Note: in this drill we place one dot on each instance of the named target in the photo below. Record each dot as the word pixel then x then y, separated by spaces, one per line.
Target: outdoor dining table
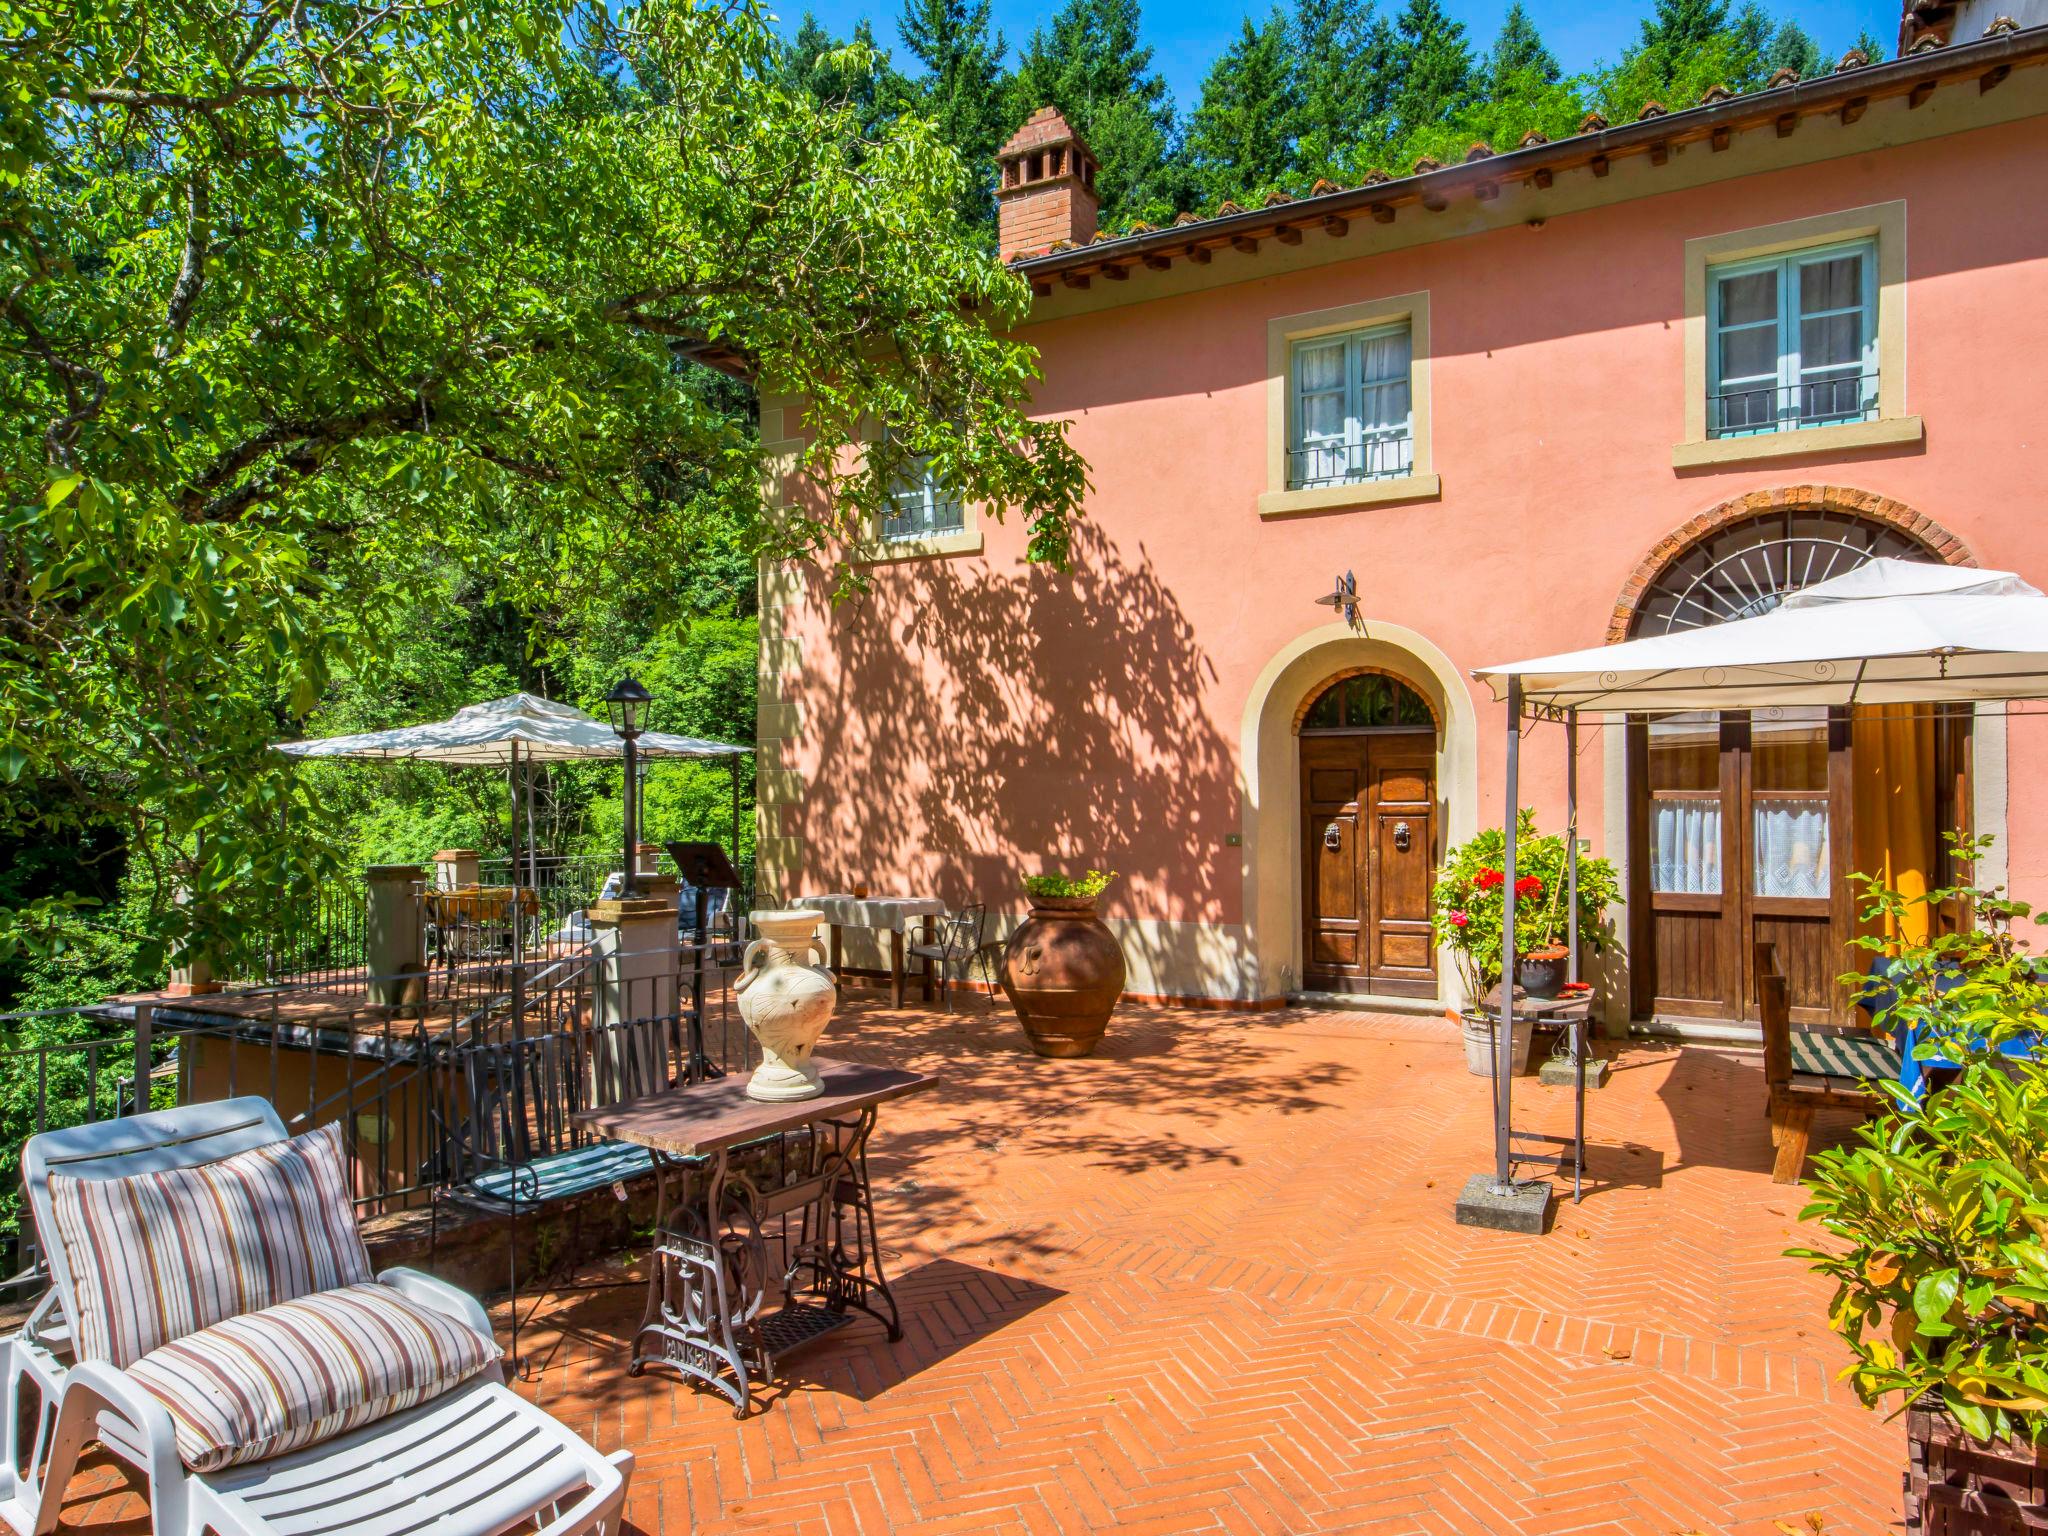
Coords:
pixel 1877 997
pixel 841 910
pixel 741 1166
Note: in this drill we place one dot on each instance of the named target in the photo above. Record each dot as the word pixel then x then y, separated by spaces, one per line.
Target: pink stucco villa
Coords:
pixel 1649 376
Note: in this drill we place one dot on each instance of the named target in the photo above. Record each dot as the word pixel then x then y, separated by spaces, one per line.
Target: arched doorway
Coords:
pixel 1368 754
pixel 1744 825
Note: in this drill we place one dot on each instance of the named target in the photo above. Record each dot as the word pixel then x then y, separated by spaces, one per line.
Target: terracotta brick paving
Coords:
pixel 1209 1281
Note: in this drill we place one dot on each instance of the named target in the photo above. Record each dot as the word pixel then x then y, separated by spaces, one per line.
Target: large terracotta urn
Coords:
pixel 1063 972
pixel 786 999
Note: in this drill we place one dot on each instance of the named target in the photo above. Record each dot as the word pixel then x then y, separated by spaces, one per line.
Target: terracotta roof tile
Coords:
pixel 1593 122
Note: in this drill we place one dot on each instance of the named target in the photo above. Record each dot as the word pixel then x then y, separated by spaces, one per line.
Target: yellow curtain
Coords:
pixel 1892 758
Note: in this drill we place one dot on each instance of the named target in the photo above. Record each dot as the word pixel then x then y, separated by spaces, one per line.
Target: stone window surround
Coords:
pixel 1421 483
pixel 1883 222
pixel 964 540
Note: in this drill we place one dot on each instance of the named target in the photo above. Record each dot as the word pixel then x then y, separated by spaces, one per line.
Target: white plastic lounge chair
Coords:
pixel 475 1461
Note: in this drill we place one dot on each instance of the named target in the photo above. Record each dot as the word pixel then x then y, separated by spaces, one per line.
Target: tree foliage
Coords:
pixel 1518 54
pixel 961 90
pixel 1238 138
pixel 1088 61
pixel 307 305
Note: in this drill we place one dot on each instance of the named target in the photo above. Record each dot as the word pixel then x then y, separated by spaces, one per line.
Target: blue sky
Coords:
pixel 1187 35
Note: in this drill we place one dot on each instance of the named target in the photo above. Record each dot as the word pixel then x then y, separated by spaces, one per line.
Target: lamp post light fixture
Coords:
pixel 626 705
pixel 1343 596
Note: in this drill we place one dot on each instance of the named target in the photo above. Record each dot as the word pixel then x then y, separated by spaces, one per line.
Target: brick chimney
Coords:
pixel 1046 192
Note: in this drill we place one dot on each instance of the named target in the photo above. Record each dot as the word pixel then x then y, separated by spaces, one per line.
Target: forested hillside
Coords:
pixel 1318 90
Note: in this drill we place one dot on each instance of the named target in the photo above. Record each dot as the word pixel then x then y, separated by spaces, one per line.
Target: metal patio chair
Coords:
pixel 961 940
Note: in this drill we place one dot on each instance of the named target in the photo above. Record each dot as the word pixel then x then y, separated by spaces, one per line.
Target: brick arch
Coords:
pixel 1938 540
pixel 1309 699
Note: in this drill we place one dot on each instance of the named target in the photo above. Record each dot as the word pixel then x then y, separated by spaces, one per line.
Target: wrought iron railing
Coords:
pixel 1788 407
pixel 1375 458
pixel 321 1054
pixel 915 518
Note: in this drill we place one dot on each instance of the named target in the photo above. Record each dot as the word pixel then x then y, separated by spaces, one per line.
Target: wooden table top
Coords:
pixel 1564 1009
pixel 709 1117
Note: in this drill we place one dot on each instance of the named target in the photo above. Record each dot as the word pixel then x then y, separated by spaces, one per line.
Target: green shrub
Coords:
pixel 1940 1207
pixel 1469 900
pixel 1084 887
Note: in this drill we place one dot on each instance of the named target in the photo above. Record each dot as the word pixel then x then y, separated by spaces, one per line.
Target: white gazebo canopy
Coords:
pixel 1891 631
pixel 521 727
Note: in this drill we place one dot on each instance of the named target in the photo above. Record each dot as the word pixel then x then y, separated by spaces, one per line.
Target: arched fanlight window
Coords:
pixel 1747 568
pixel 1368 701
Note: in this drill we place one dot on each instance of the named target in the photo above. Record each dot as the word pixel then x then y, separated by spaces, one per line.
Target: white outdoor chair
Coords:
pixel 476 1461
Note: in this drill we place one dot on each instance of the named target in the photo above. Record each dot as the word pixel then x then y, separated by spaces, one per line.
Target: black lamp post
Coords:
pixel 627 705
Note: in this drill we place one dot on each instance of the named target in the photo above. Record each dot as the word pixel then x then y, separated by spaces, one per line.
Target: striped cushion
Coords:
pixel 156 1256
pixel 1857 1056
pixel 304 1371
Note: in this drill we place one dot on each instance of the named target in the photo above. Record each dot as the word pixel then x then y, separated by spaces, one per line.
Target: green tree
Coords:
pixel 1873 50
pixel 851 72
pixel 1238 137
pixel 1433 64
pixel 1791 48
pixel 1088 62
pixel 1342 82
pixel 1517 54
pixel 963 89
pixel 1677 29
pixel 305 302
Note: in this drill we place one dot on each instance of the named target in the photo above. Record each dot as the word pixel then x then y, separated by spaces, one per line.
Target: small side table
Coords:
pixel 1574 1016
pixel 741 1164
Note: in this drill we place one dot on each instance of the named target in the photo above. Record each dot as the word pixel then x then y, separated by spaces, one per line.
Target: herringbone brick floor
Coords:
pixel 1209 1281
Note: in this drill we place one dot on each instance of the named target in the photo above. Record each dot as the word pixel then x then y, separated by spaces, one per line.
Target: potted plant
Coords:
pixel 1939 1211
pixel 1063 970
pixel 1467 906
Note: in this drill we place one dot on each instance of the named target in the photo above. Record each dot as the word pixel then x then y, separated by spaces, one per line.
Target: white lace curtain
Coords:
pixel 1685 846
pixel 1792 847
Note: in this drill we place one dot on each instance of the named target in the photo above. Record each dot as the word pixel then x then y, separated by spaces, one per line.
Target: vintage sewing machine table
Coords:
pixel 748 1177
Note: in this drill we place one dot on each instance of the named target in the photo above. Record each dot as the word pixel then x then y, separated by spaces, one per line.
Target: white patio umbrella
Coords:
pixel 1890 631
pixel 520 728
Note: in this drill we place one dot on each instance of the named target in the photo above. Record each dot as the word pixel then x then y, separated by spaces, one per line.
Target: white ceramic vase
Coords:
pixel 786 1000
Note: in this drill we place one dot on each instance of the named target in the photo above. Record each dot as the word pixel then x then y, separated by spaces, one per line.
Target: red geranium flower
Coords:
pixel 1460 919
pixel 1487 879
pixel 1529 885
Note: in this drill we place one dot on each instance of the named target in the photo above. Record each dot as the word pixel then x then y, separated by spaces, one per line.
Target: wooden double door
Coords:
pixel 1746 826
pixel 1368 853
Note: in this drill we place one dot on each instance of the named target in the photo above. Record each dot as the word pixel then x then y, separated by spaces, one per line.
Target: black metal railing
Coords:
pixel 315 935
pixel 384 1070
pixel 1375 458
pixel 1781 408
